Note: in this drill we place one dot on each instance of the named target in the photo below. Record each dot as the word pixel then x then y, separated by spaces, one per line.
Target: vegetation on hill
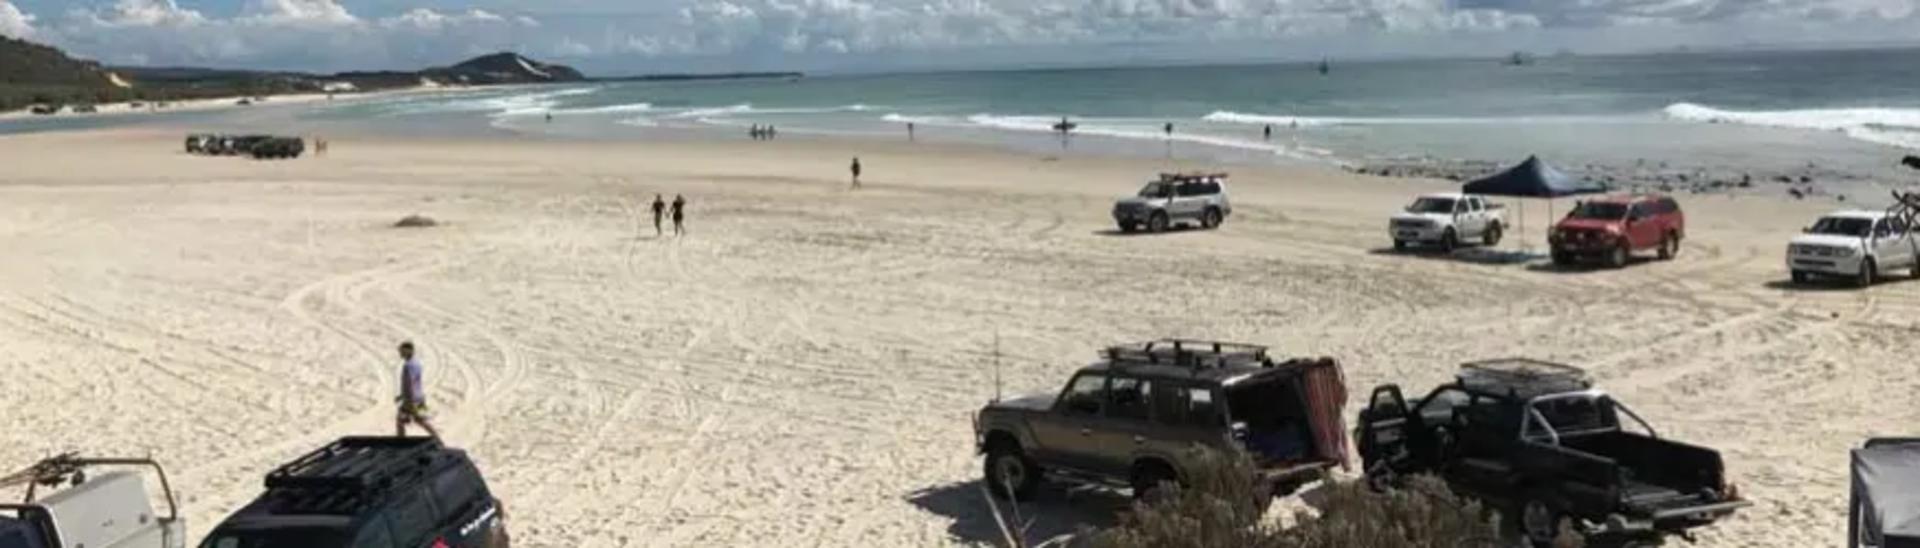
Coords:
pixel 33 74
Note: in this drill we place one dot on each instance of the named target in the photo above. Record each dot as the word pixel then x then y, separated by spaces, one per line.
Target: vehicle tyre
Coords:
pixel 1618 257
pixel 1399 245
pixel 1562 258
pixel 1539 522
pixel 1868 271
pixel 1010 473
pixel 1449 241
pixel 1800 277
pixel 1669 247
pixel 1212 218
pixel 1148 481
pixel 1914 271
pixel 1128 227
pixel 1492 236
pixel 1158 222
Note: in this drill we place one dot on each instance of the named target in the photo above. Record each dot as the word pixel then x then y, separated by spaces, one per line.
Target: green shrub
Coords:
pixel 1216 510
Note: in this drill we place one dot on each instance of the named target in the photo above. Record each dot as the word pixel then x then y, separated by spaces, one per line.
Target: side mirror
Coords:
pixel 1806 230
pixel 1238 430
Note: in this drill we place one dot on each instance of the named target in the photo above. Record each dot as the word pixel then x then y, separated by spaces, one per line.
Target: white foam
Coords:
pixel 1105 128
pixel 1230 117
pixel 1898 127
pixel 630 107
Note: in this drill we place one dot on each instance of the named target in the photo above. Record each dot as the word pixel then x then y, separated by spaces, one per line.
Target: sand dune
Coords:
pixel 800 369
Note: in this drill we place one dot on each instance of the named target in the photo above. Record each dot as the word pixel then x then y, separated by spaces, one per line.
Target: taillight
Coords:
pixel 440 542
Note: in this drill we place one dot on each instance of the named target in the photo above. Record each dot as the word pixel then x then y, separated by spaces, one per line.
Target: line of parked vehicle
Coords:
pixel 1535 439
pixel 260 147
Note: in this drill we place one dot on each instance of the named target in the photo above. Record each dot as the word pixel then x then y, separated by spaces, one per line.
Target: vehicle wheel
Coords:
pixel 1914 271
pixel 1399 245
pixel 1669 247
pixel 1211 219
pixel 1799 277
pixel 1158 222
pixel 1128 227
pixel 1492 236
pixel 1562 258
pixel 1539 523
pixel 1148 481
pixel 1618 257
pixel 1449 241
pixel 1868 271
pixel 1010 473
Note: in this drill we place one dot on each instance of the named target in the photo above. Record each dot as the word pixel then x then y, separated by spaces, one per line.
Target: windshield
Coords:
pixel 1842 226
pixel 1156 189
pixel 283 537
pixel 1431 205
pixel 1598 210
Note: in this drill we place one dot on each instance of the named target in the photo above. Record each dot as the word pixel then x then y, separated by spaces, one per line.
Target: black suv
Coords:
pixel 370 492
pixel 1538 439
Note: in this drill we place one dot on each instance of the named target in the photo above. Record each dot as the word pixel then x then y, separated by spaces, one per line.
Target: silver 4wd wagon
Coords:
pixel 1200 198
pixel 1145 414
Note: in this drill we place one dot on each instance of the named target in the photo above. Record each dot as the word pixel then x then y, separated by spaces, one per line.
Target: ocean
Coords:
pixel 1852 111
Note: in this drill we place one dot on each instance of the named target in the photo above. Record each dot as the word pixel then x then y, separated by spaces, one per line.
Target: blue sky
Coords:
pixel 628 36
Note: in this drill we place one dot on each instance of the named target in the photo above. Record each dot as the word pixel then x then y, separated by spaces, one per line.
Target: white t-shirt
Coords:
pixel 411 387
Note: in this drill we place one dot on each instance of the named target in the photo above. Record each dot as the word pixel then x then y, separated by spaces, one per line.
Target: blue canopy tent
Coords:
pixel 1532 179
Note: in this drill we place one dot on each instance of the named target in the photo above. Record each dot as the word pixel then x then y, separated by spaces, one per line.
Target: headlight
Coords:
pixel 1844 251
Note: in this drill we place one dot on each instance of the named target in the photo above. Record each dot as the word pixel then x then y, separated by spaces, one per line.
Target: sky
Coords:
pixel 612 37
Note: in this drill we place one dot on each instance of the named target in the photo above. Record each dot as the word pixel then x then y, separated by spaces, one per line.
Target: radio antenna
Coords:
pixel 996 365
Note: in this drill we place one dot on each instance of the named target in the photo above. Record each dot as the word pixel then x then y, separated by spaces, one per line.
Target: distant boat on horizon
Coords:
pixel 1519 58
pixel 1324 67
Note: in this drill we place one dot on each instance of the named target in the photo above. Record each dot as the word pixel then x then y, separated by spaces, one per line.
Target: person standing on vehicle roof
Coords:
pixel 413 395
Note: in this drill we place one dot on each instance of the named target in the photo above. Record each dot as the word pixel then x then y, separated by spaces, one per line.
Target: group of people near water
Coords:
pixel 762 133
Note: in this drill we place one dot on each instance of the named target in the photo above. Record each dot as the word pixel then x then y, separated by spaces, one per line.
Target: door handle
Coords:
pixel 1137 440
pixel 1086 431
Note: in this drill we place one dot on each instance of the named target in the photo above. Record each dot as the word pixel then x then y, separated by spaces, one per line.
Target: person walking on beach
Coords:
pixel 909 132
pixel 856 172
pixel 679 215
pixel 1169 129
pixel 1267 133
pixel 413 395
pixel 659 210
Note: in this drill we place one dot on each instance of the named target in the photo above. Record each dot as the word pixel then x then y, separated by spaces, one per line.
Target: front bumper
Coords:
pixel 1132 215
pixel 1819 264
pixel 1411 233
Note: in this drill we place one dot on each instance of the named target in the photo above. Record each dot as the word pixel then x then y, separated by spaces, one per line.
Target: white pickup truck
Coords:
pixel 1857 245
pixel 1447 219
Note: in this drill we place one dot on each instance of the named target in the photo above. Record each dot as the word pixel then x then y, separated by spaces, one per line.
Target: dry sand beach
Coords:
pixel 800 369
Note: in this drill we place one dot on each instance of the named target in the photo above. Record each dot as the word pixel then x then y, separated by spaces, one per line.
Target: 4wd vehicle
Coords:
pixel 370 492
pixel 108 510
pixel 1614 227
pixel 1858 245
pixel 278 147
pixel 1447 219
pixel 1537 440
pixel 1145 413
pixel 1197 197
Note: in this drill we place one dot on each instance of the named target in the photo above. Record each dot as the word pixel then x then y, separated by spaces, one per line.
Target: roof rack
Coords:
pixel 337 476
pixel 1191 354
pixel 1192 175
pixel 1517 375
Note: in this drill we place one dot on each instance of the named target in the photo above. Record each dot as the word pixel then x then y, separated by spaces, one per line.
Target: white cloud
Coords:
pixel 144 13
pixel 13 22
pixel 426 19
pixel 297 12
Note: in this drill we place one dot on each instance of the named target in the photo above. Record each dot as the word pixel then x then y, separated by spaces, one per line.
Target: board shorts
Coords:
pixel 414 411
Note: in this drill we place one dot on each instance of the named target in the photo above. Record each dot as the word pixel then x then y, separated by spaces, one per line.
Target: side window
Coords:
pixel 1475 205
pixel 1201 410
pixel 1213 188
pixel 1184 190
pixel 457 491
pixel 1881 229
pixel 413 518
pixel 1637 211
pixel 374 535
pixel 1897 225
pixel 1086 395
pixel 1130 399
pixel 1668 206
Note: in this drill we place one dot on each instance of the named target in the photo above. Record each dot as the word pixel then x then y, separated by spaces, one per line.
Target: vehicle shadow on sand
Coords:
pixel 1587 267
pixel 1053 513
pixel 1470 255
pixel 1172 230
pixel 1835 284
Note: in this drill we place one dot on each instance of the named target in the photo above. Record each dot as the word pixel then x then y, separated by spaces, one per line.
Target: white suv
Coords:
pixel 1861 245
pixel 1197 197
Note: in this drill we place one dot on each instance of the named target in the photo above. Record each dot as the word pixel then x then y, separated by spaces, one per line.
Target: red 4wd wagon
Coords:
pixel 1614 227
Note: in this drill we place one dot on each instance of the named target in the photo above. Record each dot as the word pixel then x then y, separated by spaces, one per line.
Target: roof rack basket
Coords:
pixel 356 464
pixel 1518 373
pixel 1192 354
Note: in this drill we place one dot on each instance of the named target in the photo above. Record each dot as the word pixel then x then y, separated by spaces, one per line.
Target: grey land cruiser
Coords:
pixel 1144 414
pixel 1200 198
